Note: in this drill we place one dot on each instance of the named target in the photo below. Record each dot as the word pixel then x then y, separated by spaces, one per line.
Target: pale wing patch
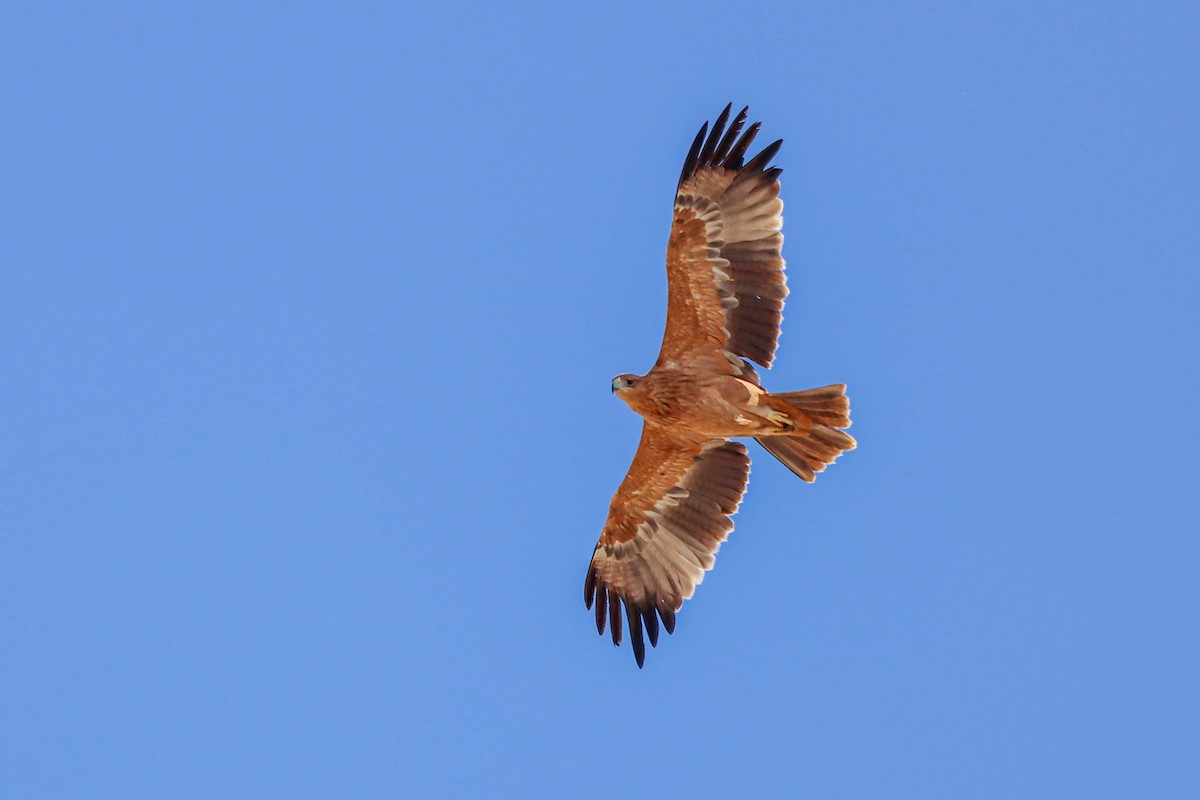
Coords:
pixel 709 213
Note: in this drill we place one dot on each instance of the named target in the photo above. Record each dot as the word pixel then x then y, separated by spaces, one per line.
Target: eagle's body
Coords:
pixel 680 398
pixel 726 288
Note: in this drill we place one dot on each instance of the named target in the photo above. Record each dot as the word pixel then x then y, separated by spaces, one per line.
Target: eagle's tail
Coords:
pixel 817 441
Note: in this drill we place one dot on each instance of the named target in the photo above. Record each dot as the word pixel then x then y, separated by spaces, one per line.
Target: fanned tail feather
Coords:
pixel 828 409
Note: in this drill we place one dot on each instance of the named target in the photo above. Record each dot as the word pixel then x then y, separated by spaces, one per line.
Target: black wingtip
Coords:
pixel 642 619
pixel 601 610
pixel 762 159
pixel 738 152
pixel 635 634
pixel 614 620
pixel 714 137
pixel 730 136
pixel 715 145
pixel 589 587
pixel 689 164
pixel 651 625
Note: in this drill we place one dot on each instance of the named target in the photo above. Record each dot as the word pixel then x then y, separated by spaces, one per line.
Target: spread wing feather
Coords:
pixel 725 268
pixel 665 525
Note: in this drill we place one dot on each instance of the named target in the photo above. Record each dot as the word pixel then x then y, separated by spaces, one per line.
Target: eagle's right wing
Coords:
pixel 665 524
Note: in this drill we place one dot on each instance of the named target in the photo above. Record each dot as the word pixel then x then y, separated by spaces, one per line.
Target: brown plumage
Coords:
pixel 726 288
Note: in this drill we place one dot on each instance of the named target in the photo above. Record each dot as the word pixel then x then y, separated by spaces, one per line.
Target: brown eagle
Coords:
pixel 725 297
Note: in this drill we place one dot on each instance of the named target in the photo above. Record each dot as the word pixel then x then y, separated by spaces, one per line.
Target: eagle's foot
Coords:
pixel 782 420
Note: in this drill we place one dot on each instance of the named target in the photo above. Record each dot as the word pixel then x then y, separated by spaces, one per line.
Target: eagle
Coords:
pixel 726 287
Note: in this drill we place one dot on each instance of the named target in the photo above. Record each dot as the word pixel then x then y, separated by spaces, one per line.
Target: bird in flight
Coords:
pixel 726 288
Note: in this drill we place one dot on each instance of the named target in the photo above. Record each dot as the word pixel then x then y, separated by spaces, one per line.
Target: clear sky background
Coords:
pixel 308 317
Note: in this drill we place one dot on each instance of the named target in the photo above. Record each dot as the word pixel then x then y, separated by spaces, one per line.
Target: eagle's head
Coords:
pixel 623 382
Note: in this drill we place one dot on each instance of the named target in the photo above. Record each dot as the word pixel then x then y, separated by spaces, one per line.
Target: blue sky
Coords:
pixel 309 316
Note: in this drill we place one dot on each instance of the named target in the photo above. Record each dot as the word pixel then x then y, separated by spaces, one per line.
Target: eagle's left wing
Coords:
pixel 665 524
pixel 725 268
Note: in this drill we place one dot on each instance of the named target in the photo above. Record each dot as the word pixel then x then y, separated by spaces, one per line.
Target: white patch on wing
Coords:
pixel 756 392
